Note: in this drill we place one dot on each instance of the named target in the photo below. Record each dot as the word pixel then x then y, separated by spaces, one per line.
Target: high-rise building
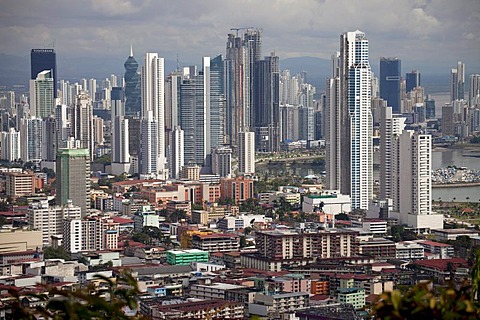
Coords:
pixel 120 133
pixel 390 76
pixel 237 88
pixel 132 86
pixel 246 153
pixel 413 182
pixel 355 82
pixel 222 161
pixel 49 219
pixel 195 114
pixel 448 121
pixel 457 82
pixel 92 89
pixel 153 112
pixel 217 102
pixel 42 95
pixel 334 117
pixel 10 142
pixel 474 92
pixel 177 160
pixel 41 60
pixel 73 178
pixel 82 122
pixel 266 104
pixel 412 80
pixel 391 126
pixel 32 134
pixel 430 107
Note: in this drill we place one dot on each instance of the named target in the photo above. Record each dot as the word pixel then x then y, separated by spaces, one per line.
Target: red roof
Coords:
pixel 442 264
pixel 122 220
pixel 12 214
pixel 436 244
pixel 320 297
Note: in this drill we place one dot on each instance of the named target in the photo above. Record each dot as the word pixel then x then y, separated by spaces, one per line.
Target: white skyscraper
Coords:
pixel 120 141
pixel 246 153
pixel 92 88
pixel 82 122
pixel 41 95
pixel 332 127
pixel 356 97
pixel 10 142
pixel 177 160
pixel 153 111
pixel 412 181
pixel 474 92
pixel 391 126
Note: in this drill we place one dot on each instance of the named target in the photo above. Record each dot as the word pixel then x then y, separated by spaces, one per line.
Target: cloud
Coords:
pixel 114 8
pixel 430 32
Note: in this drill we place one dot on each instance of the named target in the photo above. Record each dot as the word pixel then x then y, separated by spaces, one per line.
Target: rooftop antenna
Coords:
pixel 178 64
pixel 131 50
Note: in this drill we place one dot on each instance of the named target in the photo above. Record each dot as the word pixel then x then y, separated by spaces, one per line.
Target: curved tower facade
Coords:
pixel 132 86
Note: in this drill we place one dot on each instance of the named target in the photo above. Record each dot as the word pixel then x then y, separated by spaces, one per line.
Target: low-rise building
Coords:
pixel 277 304
pixel 185 257
pixel 409 250
pixel 452 234
pixel 330 201
pixel 212 291
pixel 353 296
pixel 216 242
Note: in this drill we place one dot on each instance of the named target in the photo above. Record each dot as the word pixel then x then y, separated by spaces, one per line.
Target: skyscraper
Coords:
pixel 413 182
pixel 246 153
pixel 457 82
pixel 41 60
pixel 132 86
pixel 237 88
pixel 355 81
pixel 390 73
pixel 334 117
pixel 153 160
pixel 41 95
pixel 412 80
pixel 266 104
pixel 120 133
pixel 222 161
pixel 73 178
pixel 391 126
pixel 474 92
pixel 82 122
pixel 177 160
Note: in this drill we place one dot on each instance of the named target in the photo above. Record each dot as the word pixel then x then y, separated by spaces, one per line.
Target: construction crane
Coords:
pixel 241 28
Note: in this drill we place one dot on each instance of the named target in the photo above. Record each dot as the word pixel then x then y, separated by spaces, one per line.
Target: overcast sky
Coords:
pixel 434 33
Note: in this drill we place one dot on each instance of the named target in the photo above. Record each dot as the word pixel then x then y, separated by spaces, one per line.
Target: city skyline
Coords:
pixel 199 29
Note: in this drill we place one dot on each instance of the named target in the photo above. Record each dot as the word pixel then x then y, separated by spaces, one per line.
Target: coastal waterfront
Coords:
pixel 442 158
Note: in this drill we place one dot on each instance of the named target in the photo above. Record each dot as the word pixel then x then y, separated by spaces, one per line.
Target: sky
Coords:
pixel 434 33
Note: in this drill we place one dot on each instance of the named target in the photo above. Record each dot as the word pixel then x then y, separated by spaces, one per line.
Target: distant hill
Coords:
pixel 15 70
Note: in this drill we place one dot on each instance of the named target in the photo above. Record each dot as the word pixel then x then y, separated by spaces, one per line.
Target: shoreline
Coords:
pixel 456 185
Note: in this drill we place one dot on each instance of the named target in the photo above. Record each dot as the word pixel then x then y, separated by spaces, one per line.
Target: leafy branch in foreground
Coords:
pixel 101 299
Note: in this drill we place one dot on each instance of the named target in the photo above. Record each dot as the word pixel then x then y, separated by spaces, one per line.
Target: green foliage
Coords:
pixel 141 237
pixel 50 173
pixel 399 233
pixel 2 221
pixel 105 159
pixel 422 303
pixel 106 302
pixel 342 216
pixel 475 139
pixel 56 253
pixel 251 206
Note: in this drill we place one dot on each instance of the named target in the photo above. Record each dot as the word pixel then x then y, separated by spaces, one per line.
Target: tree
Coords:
pixel 3 221
pixel 342 216
pixel 56 253
pixel 422 303
pixel 84 302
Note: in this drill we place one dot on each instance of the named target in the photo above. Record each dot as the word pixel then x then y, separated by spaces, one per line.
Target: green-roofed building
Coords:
pixel 185 257
pixel 73 178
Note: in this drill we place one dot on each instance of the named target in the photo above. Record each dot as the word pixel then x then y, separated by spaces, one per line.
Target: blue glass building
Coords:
pixel 390 77
pixel 41 60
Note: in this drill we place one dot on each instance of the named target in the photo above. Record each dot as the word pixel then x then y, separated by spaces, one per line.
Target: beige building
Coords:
pixel 19 184
pixel 20 240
